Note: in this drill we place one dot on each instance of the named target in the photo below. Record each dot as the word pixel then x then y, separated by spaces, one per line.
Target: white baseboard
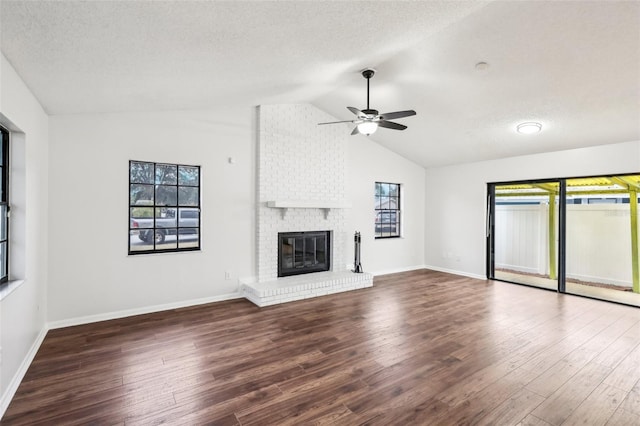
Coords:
pixel 396 270
pixel 140 311
pixel 22 370
pixel 452 271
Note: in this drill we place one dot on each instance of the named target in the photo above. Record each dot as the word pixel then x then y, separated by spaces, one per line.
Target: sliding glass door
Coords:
pixel 602 238
pixel 577 236
pixel 523 232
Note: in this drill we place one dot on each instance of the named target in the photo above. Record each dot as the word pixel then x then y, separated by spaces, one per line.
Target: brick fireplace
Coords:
pixel 301 188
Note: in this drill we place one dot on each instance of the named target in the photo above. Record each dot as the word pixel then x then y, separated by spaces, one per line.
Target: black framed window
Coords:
pixel 164 207
pixel 387 206
pixel 4 207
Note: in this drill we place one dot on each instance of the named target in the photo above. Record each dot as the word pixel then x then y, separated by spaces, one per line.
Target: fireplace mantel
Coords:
pixel 326 206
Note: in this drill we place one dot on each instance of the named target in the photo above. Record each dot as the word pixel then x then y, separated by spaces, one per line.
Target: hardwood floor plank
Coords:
pixel 627 372
pixel 551 380
pixel 621 347
pixel 111 405
pixel 219 391
pixel 310 400
pixel 562 348
pixel 475 383
pixel 420 347
pixel 481 403
pixel 513 410
pixel 598 407
pixel 569 396
pixel 632 401
pixel 341 415
pixel 624 418
pixel 431 412
pixel 199 410
pixel 532 420
pixel 59 393
pixel 331 414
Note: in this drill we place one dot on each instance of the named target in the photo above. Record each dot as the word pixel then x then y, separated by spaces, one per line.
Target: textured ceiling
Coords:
pixel 573 66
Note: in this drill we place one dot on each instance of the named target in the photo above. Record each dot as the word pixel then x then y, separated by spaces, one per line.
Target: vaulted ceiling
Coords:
pixel 574 67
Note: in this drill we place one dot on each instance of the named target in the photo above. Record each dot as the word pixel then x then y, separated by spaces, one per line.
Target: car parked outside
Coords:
pixel 387 224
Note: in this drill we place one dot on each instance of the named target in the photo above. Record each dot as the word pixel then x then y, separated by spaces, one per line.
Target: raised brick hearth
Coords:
pixel 288 289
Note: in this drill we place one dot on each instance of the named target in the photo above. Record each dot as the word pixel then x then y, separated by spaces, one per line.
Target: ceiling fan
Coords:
pixel 368 120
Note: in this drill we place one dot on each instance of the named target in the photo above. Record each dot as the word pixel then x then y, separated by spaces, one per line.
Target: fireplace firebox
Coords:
pixel 303 252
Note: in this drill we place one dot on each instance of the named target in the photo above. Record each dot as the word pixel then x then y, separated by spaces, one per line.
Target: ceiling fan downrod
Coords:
pixel 368 73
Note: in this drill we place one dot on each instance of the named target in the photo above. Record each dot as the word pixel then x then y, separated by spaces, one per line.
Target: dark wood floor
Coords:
pixel 418 348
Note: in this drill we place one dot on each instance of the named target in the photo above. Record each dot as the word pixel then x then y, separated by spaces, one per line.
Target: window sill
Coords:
pixel 7 288
pixel 167 252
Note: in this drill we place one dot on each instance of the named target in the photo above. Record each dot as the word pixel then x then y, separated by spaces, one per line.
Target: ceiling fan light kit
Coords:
pixel 368 120
pixel 367 128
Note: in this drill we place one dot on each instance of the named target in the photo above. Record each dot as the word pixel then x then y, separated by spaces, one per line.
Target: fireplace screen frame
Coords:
pixel 305 268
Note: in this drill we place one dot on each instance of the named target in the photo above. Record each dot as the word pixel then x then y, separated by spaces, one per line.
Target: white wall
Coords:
pixel 22 312
pixel 91 275
pixel 368 163
pixel 455 225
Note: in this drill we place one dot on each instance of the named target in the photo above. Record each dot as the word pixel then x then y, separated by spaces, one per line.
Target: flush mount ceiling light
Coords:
pixel 529 128
pixel 482 66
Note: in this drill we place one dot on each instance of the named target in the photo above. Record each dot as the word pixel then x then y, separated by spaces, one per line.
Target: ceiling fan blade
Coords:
pixel 357 112
pixel 391 125
pixel 336 122
pixel 397 114
pixel 355 131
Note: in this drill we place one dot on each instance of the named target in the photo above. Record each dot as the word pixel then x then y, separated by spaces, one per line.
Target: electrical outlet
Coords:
pixel 227 275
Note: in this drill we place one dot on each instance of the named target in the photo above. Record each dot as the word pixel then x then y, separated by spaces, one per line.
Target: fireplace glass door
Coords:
pixel 303 252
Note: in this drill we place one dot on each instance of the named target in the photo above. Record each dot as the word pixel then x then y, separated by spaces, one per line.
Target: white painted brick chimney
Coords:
pixel 301 161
